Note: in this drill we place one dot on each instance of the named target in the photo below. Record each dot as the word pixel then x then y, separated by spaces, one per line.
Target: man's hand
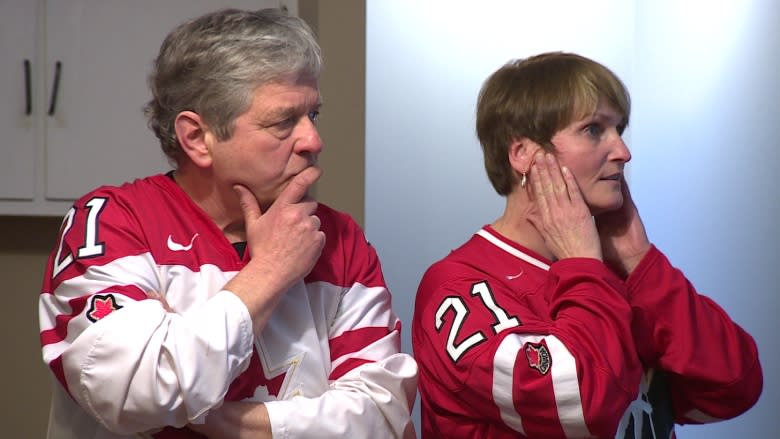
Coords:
pixel 284 244
pixel 623 236
pixel 287 236
pixel 561 215
pixel 236 420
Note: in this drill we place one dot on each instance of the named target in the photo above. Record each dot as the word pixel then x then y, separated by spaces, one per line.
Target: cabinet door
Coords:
pixel 17 100
pixel 97 133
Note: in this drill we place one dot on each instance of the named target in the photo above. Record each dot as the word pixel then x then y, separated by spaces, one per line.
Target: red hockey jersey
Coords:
pixel 512 345
pixel 327 363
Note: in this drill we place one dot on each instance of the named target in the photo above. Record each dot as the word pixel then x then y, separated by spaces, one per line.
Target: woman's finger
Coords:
pixel 538 185
pixel 573 188
pixel 557 182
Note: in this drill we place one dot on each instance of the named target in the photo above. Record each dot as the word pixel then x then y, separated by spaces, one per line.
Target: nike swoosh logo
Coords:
pixel 509 277
pixel 175 246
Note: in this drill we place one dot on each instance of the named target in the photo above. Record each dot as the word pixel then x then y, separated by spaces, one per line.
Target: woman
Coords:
pixel 561 318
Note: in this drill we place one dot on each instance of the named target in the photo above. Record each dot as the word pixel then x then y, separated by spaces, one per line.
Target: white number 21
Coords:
pixel 91 247
pixel 458 306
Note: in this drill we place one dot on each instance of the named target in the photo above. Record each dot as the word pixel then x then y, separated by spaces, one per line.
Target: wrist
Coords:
pixel 632 261
pixel 260 290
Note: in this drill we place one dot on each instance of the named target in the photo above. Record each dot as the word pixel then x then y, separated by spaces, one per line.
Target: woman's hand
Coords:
pixel 623 237
pixel 561 215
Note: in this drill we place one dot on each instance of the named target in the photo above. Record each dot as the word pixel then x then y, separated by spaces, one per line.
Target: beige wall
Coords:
pixel 24 246
pixel 341 30
pixel 26 241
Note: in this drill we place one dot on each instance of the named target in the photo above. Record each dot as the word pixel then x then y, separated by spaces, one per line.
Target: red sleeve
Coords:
pixel 96 232
pixel 554 361
pixel 709 358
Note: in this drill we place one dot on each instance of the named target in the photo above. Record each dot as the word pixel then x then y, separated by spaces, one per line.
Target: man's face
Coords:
pixel 593 149
pixel 273 141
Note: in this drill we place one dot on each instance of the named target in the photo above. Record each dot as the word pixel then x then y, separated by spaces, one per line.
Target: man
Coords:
pixel 169 299
pixel 548 324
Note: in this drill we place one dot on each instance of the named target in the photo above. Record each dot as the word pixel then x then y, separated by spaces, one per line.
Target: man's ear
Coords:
pixel 521 154
pixel 194 137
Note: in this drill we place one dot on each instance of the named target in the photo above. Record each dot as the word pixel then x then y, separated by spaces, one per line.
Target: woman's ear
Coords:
pixel 194 137
pixel 521 154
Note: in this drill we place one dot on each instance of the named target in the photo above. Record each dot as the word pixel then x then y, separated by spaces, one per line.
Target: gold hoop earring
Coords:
pixel 523 179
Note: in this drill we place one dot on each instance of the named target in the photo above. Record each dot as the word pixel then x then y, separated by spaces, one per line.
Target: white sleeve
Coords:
pixel 370 401
pixel 372 386
pixel 144 367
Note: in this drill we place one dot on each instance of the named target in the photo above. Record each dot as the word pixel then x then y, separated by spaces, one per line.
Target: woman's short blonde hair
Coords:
pixel 535 98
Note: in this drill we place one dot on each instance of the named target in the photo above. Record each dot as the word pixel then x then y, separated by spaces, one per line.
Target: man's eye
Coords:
pixel 284 124
pixel 313 115
pixel 282 128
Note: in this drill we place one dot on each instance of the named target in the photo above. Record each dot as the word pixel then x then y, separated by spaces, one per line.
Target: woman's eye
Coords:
pixel 593 129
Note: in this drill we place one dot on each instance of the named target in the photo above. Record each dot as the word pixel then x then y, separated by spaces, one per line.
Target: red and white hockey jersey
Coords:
pixel 512 345
pixel 327 364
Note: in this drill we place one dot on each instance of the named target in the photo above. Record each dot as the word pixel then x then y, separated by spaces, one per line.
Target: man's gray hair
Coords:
pixel 212 65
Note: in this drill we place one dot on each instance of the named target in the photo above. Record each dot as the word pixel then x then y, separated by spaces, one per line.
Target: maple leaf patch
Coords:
pixel 538 357
pixel 101 305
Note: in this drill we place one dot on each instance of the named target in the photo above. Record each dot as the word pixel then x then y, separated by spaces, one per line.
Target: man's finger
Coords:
pixel 298 186
pixel 249 205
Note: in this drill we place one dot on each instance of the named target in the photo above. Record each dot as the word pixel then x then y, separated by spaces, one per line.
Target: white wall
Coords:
pixel 705 82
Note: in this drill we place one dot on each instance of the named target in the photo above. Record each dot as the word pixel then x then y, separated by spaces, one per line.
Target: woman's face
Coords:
pixel 593 149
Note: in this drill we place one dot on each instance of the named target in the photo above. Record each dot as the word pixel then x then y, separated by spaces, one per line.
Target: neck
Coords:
pixel 514 223
pixel 219 203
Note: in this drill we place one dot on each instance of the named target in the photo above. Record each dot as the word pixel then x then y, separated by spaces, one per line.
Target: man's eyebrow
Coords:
pixel 281 113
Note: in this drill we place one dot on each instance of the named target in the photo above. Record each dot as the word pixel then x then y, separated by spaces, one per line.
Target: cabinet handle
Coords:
pixel 27 89
pixel 55 88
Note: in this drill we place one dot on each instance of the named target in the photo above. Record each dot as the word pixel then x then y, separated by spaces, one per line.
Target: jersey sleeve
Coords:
pixel 712 363
pixel 128 361
pixel 558 362
pixel 372 385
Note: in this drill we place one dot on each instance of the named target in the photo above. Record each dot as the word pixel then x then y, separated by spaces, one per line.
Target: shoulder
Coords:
pixel 453 275
pixel 140 189
pixel 104 225
pixel 130 206
pixel 112 204
pixel 461 263
pixel 347 257
pixel 336 222
pixel 342 232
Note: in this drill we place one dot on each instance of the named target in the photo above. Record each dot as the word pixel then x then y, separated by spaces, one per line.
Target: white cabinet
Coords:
pixel 18 134
pixel 72 88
